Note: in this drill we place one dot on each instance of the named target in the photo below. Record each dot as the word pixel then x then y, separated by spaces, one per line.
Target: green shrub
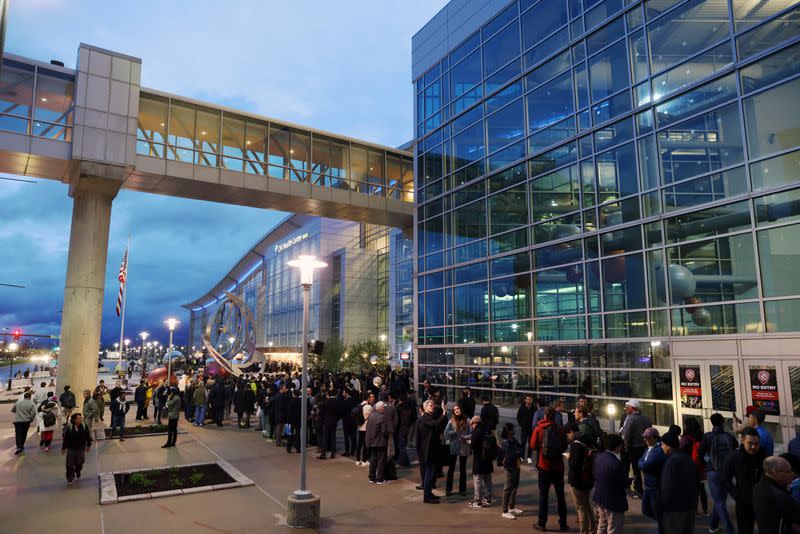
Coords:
pixel 142 479
pixel 196 477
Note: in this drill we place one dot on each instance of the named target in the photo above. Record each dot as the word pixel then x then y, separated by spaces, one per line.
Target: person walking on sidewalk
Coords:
pixel 48 417
pixel 525 421
pixel 199 404
pixel 511 459
pixel 376 441
pixel 652 464
pixel 549 443
pixel 118 410
pixel 77 442
pixel 24 411
pixel 67 400
pixel 90 409
pixel 173 411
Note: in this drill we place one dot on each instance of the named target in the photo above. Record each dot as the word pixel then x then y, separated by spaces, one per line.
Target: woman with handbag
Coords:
pixel 456 433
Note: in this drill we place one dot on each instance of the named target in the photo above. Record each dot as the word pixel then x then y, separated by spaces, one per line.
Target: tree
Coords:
pixel 359 353
pixel 331 359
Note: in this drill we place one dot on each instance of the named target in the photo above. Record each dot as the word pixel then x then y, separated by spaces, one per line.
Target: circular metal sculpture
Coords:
pixel 232 327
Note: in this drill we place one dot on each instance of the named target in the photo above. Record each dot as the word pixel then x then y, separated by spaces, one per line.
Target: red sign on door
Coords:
pixel 690 390
pixel 764 389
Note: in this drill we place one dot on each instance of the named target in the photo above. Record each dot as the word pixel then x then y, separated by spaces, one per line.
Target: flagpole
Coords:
pixel 122 315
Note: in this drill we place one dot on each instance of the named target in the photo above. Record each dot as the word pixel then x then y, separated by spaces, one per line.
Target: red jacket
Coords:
pixel 537 442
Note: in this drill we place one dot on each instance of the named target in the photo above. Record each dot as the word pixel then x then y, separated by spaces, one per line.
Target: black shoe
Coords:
pixel 166 446
pixel 420 487
pixel 77 475
pixel 431 501
pixel 448 493
pixel 322 457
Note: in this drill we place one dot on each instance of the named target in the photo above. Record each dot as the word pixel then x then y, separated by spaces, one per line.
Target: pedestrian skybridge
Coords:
pixel 58 123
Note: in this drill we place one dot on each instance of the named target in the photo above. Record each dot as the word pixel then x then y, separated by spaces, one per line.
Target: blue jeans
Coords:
pixel 716 484
pixel 199 414
pixel 262 421
pixel 118 421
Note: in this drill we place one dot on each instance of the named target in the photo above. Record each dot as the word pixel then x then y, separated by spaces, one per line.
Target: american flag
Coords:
pixel 123 274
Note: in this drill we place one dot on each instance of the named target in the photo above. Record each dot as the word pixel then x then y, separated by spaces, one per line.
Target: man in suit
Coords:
pixel 376 440
pixel 329 414
pixel 610 480
pixel 467 403
pixel 651 464
pixel 678 487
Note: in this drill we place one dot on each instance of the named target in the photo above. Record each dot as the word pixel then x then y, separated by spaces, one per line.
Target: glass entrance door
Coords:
pixel 705 387
pixel 791 373
pixel 769 389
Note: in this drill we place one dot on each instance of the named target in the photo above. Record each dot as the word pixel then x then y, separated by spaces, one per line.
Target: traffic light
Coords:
pixel 16 334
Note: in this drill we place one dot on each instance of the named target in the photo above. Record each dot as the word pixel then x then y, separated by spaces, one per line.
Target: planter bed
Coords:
pixel 170 479
pixel 135 431
pixel 152 483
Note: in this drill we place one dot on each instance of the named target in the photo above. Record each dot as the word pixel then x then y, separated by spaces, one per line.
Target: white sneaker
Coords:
pixel 508 515
pixel 530 460
pixel 516 511
pixel 358 462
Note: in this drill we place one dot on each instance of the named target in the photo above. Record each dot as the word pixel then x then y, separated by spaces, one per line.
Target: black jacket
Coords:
pixel 346 412
pixel 330 411
pixel 140 393
pixel 525 418
pixel 679 483
pixel 76 438
pixel 746 469
pixel 468 406
pixel 429 429
pixel 774 508
pixel 216 397
pixel 406 415
pixel 119 408
pixel 294 410
pixel 67 399
pixel 578 455
pixel 480 466
pixel 282 407
pixel 490 416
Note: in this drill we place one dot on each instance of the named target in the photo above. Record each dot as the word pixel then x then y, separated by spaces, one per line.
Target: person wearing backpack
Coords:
pixel 483 456
pixel 715 448
pixel 581 476
pixel 549 443
pixel 510 458
pixel 48 416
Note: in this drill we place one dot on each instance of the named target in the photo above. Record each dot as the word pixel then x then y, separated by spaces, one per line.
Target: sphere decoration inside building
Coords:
pixel 230 336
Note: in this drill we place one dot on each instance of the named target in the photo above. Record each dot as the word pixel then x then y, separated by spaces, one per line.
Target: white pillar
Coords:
pixel 85 283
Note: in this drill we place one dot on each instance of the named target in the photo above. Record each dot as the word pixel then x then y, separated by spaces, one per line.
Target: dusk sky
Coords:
pixel 337 66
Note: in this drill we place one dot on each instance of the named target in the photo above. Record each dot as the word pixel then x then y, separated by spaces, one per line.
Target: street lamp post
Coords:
pixel 303 511
pixel 12 348
pixel 171 324
pixel 144 336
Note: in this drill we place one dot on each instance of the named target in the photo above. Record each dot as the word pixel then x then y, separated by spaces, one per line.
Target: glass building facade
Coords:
pixel 598 180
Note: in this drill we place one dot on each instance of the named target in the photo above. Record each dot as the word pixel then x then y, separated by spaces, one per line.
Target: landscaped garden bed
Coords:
pixel 171 478
pixel 169 481
pixel 135 431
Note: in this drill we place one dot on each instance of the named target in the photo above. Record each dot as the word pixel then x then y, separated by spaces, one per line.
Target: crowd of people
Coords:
pixel 383 418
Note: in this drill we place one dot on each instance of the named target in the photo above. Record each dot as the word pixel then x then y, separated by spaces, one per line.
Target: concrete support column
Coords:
pixel 85 283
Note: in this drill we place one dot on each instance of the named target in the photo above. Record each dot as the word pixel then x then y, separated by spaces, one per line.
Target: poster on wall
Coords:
pixel 764 389
pixel 691 392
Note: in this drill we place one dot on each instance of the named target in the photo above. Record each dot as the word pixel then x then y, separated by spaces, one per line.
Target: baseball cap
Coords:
pixel 651 433
pixel 633 403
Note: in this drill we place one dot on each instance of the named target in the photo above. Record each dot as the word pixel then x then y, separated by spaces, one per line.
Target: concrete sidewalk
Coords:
pixel 34 498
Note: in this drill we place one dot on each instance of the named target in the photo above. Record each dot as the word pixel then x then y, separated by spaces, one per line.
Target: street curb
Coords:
pixel 108 486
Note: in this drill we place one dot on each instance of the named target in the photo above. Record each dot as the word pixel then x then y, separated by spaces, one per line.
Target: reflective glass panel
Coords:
pixel 608 71
pixel 469 222
pixel 555 193
pixel 708 222
pixel 770 69
pixel 181 131
pixel 559 291
pixel 468 146
pixel 716 270
pixel 152 121
pixel 744 318
pixel 16 88
pixel 511 297
pixel 542 20
pixel 471 303
pixel 696 100
pixel 706 189
pixel 766 36
pixel 687 30
pixel 747 14
pixel 505 126
pixel 773 119
pixel 232 143
pixel 551 102
pixel 776 171
pixel 508 210
pixel 623 282
pixel 466 74
pixel 784 316
pixel 53 102
pixel 616 172
pixel 701 145
pixel 779 252
pixel 501 48
pixel 778 207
